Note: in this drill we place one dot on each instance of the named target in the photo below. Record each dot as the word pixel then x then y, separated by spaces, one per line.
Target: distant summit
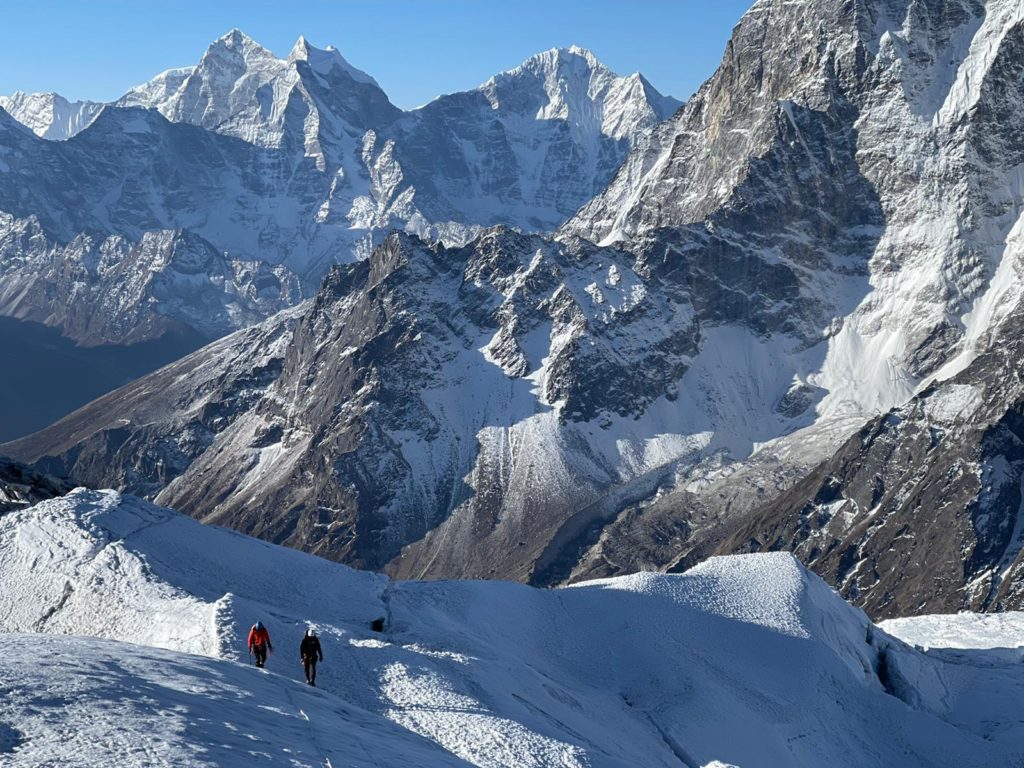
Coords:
pixel 50 115
pixel 284 167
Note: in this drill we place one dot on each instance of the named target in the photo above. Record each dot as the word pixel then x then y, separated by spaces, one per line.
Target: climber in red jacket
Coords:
pixel 259 643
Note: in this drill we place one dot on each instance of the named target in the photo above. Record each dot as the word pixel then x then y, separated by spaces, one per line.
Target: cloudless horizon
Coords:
pixel 416 50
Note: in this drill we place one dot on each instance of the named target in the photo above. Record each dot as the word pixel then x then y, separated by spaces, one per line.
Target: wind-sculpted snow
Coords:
pixel 961 630
pixel 745 661
pixel 139 707
pixel 763 591
pixel 161 578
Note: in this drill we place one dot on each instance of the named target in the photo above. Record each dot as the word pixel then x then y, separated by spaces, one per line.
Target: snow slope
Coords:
pixel 136 706
pixel 743 661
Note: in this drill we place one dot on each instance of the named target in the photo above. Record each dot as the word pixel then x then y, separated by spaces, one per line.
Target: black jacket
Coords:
pixel 310 648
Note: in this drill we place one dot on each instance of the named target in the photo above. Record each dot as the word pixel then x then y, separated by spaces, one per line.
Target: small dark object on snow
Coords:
pixel 377 625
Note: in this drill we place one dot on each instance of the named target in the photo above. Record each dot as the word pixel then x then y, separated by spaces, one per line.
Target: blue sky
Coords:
pixel 416 49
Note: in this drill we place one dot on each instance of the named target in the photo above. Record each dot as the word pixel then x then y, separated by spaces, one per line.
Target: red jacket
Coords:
pixel 259 637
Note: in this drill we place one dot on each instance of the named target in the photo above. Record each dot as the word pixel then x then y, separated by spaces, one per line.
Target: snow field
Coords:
pixel 743 661
pixel 978 631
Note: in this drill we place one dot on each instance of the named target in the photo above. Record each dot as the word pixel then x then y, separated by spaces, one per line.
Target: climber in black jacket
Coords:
pixel 310 653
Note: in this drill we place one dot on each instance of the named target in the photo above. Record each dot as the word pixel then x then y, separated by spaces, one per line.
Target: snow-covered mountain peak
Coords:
pixel 235 56
pixel 323 60
pixel 301 162
pixel 238 44
pixel 303 50
pixel 228 90
pixel 50 115
pixel 571 84
pixel 338 164
pixel 557 60
pixel 557 68
pixel 579 50
pixel 309 100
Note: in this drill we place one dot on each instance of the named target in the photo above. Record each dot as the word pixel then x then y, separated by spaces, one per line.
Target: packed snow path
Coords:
pixel 745 661
pixel 83 701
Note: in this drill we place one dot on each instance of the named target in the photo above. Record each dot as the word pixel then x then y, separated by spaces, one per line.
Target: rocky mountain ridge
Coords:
pixel 116 291
pixel 939 94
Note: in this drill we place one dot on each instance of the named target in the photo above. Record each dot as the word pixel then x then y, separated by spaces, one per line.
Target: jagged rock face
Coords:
pixel 22 486
pixel 466 410
pixel 920 511
pixel 303 163
pixel 421 381
pixel 50 115
pixel 692 165
pixel 112 290
pixel 930 92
